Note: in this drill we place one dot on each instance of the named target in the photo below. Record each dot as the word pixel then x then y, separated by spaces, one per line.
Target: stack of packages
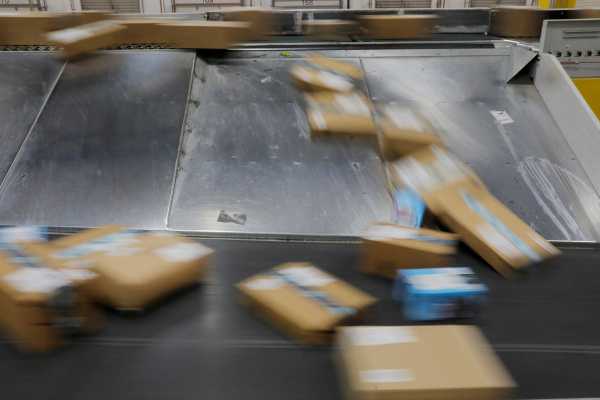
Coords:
pixel 49 290
pixel 83 32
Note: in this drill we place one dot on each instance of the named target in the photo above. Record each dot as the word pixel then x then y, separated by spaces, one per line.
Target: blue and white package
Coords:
pixel 409 208
pixel 429 294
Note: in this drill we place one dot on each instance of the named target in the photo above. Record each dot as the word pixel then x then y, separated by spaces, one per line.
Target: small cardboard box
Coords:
pixel 319 73
pixel 261 20
pixel 430 294
pixel 86 38
pixel 386 248
pixel 431 172
pixel 420 362
pixel 30 28
pixel 41 307
pixel 517 21
pixel 340 114
pixel 391 27
pixel 206 34
pixel 402 131
pixel 303 301
pixel 134 269
pixel 329 28
pixel 492 230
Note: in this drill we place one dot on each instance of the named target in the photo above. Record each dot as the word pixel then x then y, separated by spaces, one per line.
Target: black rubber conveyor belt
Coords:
pixel 203 344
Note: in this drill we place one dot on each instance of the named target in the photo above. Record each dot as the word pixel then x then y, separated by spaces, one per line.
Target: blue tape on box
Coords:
pixel 409 208
pixel 439 293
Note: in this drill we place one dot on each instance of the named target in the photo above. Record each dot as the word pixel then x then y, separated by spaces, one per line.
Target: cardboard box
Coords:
pixel 86 38
pixel 517 21
pixel 335 66
pixel 420 362
pixel 389 27
pixel 145 31
pixel 431 172
pixel 340 114
pixel 329 28
pixel 206 34
pixel 303 301
pixel 319 73
pixel 493 231
pixel 30 28
pixel 430 294
pixel 261 20
pixel 40 307
pixel 403 131
pixel 134 269
pixel 85 17
pixel 386 248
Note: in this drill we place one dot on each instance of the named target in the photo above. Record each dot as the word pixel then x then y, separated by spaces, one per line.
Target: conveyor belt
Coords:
pixel 202 343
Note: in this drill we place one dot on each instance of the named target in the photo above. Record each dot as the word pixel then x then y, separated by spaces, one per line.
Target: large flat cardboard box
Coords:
pixel 135 269
pixel 390 27
pixel 493 231
pixel 517 21
pixel 145 30
pixel 261 20
pixel 41 307
pixel 403 130
pixel 304 301
pixel 431 172
pixel 206 34
pixel 340 114
pixel 447 362
pixel 386 248
pixel 30 28
pixel 83 39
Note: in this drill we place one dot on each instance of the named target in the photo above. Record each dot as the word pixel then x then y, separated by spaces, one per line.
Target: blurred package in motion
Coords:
pixel 261 20
pixel 134 269
pixel 144 31
pixel 303 301
pixel 430 294
pixel 41 307
pixel 330 29
pixel 518 21
pixel 402 131
pixel 340 114
pixel 409 208
pixel 389 27
pixel 419 362
pixel 87 38
pixel 205 34
pixel 29 28
pixel 431 172
pixel 318 73
pixel 492 230
pixel 386 248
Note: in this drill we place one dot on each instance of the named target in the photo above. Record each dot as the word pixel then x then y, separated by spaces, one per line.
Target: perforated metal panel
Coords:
pixel 118 6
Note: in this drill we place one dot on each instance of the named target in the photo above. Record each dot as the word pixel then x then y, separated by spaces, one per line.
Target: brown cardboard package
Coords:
pixel 41 307
pixel 206 34
pixel 86 17
pixel 517 21
pixel 144 31
pixel 325 74
pixel 403 131
pixel 134 269
pixel 261 20
pixel 492 230
pixel 412 26
pixel 388 247
pixel 87 38
pixel 340 114
pixel 303 301
pixel 329 28
pixel 431 172
pixel 29 28
pixel 335 66
pixel 450 362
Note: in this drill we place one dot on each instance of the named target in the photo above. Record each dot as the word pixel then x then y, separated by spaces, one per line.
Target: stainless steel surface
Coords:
pixel 247 152
pixel 572 40
pixel 104 149
pixel 528 163
pixel 26 80
pixel 521 58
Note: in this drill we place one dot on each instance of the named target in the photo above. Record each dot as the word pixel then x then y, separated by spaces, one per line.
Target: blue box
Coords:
pixel 429 294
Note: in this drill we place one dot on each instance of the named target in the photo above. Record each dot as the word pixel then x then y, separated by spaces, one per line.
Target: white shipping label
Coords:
pixel 502 117
pixel 182 252
pixel 335 82
pixel 70 35
pixel 307 276
pixel 381 335
pixel 76 274
pixel 389 232
pixel 492 237
pixel 264 283
pixel 386 376
pixel 36 280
